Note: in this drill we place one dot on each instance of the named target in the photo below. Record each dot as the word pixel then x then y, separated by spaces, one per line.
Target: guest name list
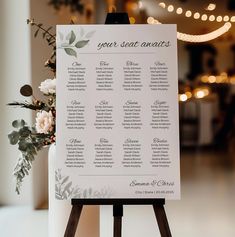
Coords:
pixel 117 111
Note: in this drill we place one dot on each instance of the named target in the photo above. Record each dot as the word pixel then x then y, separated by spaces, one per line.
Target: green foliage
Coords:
pixel 29 143
pixel 32 106
pixel 27 139
pixel 71 41
pixel 64 189
pixel 71 37
pixel 70 52
pixel 51 41
pixel 81 44
pixel 18 123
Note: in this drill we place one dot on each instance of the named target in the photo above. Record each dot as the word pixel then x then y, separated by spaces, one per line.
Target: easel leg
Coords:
pixel 162 220
pixel 73 221
pixel 117 225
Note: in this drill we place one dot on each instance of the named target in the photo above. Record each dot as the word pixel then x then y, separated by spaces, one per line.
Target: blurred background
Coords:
pixel 206 99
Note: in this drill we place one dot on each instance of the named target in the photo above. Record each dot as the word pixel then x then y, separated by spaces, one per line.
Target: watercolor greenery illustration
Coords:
pixel 64 189
pixel 71 42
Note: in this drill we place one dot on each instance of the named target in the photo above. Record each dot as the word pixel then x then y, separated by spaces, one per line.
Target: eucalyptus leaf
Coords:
pixel 18 123
pixel 58 197
pixel 67 187
pixel 90 34
pixel 36 33
pixel 70 52
pixel 23 145
pixel 14 137
pixel 24 132
pixel 65 180
pixel 81 44
pixel 72 37
pixel 48 29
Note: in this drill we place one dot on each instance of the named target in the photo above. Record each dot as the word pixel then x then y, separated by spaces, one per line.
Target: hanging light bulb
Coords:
pixel 219 18
pixel 150 20
pixel 211 7
pixel 196 15
pixel 204 17
pixel 183 97
pixel 188 13
pixel 226 18
pixel 197 38
pixel 140 3
pixel 162 4
pixel 211 18
pixel 232 19
pixel 170 8
pixel 206 37
pixel 179 10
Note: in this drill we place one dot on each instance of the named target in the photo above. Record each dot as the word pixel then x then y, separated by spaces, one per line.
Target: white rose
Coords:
pixel 44 122
pixel 48 86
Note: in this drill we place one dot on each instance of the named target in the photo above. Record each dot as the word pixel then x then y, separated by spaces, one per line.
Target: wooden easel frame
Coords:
pixel 77 204
pixel 158 207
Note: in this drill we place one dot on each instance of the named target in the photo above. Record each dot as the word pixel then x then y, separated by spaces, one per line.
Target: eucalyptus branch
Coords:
pixel 51 38
pixel 27 105
pixel 29 143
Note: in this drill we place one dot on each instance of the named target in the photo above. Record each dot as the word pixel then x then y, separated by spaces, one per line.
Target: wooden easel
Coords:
pixel 158 207
pixel 77 204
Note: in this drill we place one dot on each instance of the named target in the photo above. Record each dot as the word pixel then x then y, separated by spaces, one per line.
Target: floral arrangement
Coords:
pixel 31 139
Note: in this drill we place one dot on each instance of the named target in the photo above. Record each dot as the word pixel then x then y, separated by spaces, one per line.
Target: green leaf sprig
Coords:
pixel 71 43
pixel 29 143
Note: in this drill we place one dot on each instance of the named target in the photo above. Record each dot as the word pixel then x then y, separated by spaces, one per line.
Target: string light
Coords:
pixel 205 37
pixel 150 20
pixel 211 18
pixel 197 93
pixel 232 19
pixel 196 15
pixel 219 18
pixel 179 11
pixel 204 17
pixel 183 97
pixel 188 14
pixel 226 18
pixel 211 7
pixel 221 78
pixel 132 20
pixel 162 4
pixel 170 8
pixel 211 79
pixel 197 38
pixel 140 3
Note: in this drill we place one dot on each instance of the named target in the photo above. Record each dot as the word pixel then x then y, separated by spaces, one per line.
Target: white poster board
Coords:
pixel 117 112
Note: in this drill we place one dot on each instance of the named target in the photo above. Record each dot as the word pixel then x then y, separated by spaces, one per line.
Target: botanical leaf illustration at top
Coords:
pixel 71 42
pixel 81 44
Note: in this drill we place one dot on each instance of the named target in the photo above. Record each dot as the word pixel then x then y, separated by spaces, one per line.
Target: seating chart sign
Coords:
pixel 117 112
